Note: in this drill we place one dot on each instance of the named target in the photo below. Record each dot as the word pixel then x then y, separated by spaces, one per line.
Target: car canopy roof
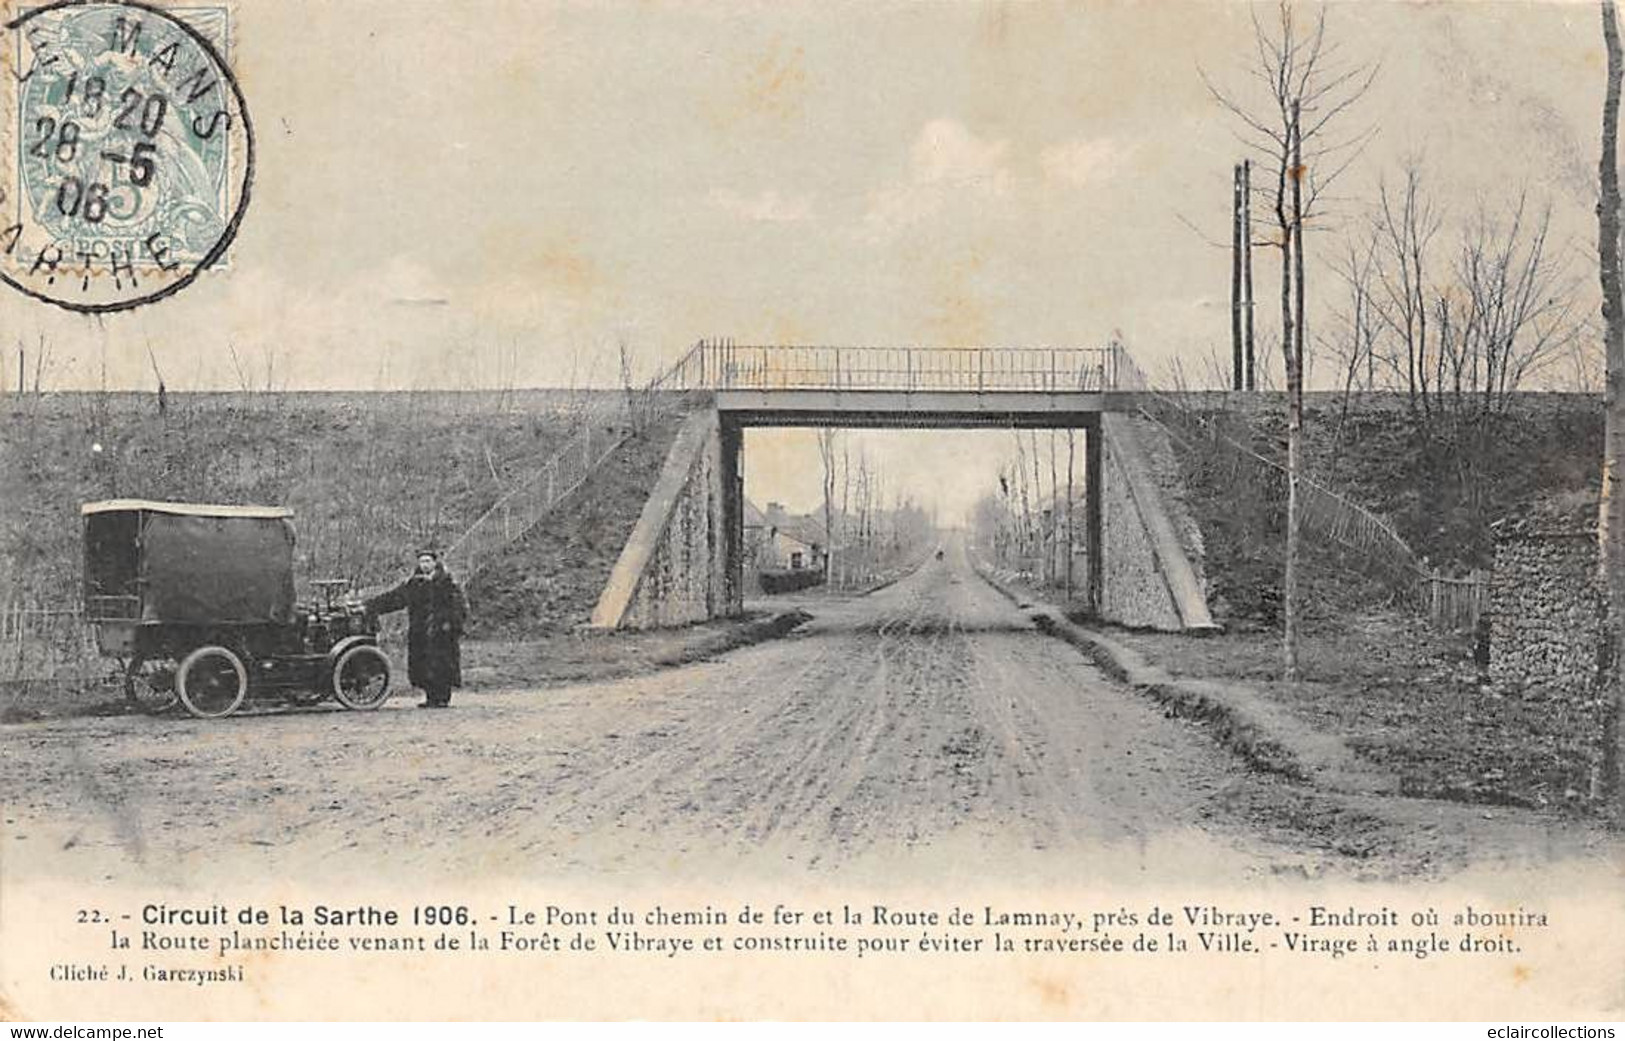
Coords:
pixel 184 509
pixel 193 562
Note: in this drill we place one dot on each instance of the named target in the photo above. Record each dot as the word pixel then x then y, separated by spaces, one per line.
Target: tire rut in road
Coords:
pixel 835 815
pixel 628 787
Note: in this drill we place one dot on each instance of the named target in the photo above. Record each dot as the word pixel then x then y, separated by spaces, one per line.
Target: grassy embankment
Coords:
pixel 1404 697
pixel 371 478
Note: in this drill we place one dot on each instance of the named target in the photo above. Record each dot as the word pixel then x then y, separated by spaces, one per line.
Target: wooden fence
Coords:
pixel 45 642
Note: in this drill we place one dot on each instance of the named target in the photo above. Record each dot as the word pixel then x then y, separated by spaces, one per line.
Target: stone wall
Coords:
pixel 674 570
pixel 1150 547
pixel 1132 591
pixel 1544 627
pixel 1544 620
pixel 1165 470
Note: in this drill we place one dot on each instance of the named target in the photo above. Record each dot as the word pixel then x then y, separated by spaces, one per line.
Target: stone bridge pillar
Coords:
pixel 679 565
pixel 731 448
pixel 684 562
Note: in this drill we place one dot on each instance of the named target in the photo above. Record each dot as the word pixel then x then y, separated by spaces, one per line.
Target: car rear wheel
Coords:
pixel 361 677
pixel 150 685
pixel 212 682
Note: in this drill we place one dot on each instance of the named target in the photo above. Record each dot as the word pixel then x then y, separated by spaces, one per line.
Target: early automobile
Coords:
pixel 197 603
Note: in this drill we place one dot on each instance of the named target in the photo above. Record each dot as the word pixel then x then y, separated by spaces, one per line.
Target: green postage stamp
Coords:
pixel 129 153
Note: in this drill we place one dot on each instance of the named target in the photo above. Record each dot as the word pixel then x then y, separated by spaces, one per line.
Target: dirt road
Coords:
pixel 928 723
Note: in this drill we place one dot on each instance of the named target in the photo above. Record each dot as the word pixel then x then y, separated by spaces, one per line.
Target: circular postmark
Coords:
pixel 126 152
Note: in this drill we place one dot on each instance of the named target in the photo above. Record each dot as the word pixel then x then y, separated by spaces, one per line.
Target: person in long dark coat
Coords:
pixel 435 612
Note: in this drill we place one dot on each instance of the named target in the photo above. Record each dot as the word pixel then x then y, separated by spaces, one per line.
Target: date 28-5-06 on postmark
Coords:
pixel 126 149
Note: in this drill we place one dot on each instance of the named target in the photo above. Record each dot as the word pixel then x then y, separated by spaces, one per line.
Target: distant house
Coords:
pixel 779 541
pixel 756 535
pixel 799 548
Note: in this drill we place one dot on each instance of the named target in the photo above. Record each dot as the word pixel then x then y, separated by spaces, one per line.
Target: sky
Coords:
pixel 493 193
pixel 945 471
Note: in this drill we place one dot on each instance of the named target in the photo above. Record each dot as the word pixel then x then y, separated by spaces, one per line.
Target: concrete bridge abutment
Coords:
pixel 684 561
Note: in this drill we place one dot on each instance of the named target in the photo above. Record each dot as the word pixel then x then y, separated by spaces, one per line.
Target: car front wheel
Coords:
pixel 361 677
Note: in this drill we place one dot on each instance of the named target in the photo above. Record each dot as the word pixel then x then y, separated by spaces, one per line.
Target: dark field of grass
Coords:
pixel 1408 701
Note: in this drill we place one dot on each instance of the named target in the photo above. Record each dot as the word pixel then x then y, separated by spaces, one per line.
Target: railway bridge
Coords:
pixel 685 559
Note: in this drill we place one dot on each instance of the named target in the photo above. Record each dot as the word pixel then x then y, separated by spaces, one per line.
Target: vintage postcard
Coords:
pixel 968 510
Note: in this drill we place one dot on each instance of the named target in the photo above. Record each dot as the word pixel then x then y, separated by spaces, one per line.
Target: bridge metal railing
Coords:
pixel 725 365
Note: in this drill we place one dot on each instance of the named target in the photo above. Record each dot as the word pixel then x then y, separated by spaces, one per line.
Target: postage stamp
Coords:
pixel 126 152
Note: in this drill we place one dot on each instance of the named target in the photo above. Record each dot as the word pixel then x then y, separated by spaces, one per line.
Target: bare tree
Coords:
pixel 1611 511
pixel 1054 513
pixel 1305 91
pixel 1584 361
pixel 865 493
pixel 1026 530
pixel 157 374
pixel 42 364
pixel 1071 504
pixel 1038 505
pixel 1003 518
pixel 844 517
pixel 639 399
pixel 1508 313
pixel 828 437
pixel 1512 315
pixel 1355 327
pixel 1406 225
pixel 1464 322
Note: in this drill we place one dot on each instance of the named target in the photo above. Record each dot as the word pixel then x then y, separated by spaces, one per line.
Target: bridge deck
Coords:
pixel 933 408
